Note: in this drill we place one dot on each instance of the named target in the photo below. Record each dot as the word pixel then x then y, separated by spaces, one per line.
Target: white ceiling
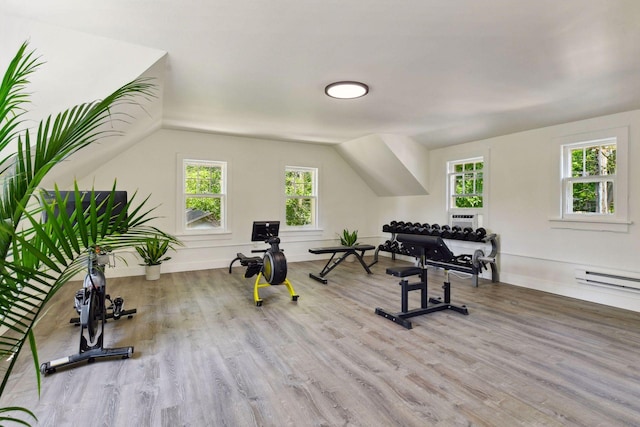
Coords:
pixel 440 71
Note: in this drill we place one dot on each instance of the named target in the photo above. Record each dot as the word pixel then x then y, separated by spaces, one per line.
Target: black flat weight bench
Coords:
pixel 358 251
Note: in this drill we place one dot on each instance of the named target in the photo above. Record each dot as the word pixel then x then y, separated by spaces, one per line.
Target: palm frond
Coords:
pixel 12 96
pixel 42 247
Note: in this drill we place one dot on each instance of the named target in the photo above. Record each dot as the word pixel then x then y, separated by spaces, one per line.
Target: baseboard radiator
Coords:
pixel 614 279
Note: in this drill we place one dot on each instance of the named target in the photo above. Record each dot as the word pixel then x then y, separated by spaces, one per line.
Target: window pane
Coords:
pixel 584 197
pixel 596 160
pixel 299 211
pixel 466 183
pixel 298 183
pixel 607 155
pixel 593 197
pixel 468 201
pixel 203 212
pixel 202 179
pixel 577 162
pixel 469 182
pixel 459 184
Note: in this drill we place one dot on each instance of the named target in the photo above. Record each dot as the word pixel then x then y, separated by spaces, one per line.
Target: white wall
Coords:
pixel 255 188
pixel 533 254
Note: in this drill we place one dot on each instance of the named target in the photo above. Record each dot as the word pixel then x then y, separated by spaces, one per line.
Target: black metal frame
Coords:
pixel 469 264
pixel 91 344
pixel 422 247
pixel 345 251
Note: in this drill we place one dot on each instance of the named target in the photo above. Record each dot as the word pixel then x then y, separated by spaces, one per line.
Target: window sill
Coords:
pixel 301 232
pixel 203 235
pixel 591 224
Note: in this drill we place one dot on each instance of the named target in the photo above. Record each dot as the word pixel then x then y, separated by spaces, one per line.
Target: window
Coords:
pixel 589 177
pixel 301 196
pixel 466 183
pixel 592 181
pixel 204 193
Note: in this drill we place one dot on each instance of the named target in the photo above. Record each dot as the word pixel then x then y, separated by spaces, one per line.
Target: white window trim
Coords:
pixel 475 156
pixel 314 225
pixel 560 217
pixel 181 196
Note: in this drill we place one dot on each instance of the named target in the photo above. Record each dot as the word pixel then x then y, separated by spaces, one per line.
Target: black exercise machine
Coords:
pixel 115 310
pixel 90 304
pixel 424 248
pixel 272 266
pixel 472 264
pixel 358 251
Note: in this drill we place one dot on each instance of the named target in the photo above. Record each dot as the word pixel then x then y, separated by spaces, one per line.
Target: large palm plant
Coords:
pixel 39 253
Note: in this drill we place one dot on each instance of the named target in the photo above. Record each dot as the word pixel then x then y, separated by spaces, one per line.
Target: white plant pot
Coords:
pixel 152 272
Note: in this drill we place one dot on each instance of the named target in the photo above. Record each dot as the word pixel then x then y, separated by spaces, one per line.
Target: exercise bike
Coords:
pixel 272 267
pixel 90 304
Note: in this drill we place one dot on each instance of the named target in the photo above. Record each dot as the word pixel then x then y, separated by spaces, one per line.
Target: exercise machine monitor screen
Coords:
pixel 263 230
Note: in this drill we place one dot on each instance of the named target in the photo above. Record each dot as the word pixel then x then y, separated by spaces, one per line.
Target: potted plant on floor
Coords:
pixel 153 255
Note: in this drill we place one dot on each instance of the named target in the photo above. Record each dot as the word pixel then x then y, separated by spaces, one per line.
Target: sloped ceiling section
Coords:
pixel 78 68
pixel 133 122
pixel 392 165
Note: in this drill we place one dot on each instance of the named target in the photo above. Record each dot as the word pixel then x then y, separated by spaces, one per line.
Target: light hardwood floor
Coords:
pixel 205 355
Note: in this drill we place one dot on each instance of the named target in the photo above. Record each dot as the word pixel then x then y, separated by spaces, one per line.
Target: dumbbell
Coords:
pixel 435 230
pixel 456 232
pixel 408 227
pixel 405 251
pixel 445 232
pixel 386 228
pixel 385 246
pixel 466 233
pixel 412 228
pixel 426 229
pixel 478 235
pixel 417 228
pixel 482 233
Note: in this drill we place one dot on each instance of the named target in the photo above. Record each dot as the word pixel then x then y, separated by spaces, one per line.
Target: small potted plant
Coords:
pixel 153 255
pixel 349 238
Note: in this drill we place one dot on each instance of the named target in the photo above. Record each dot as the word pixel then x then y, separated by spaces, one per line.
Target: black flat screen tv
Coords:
pixel 263 230
pixel 119 201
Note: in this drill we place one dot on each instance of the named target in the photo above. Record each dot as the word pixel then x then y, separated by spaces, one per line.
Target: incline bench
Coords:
pixel 358 251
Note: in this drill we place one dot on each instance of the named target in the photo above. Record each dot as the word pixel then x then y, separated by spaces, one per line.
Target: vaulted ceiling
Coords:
pixel 440 71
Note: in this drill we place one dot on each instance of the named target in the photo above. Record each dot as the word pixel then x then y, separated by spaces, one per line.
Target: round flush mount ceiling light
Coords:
pixel 346 90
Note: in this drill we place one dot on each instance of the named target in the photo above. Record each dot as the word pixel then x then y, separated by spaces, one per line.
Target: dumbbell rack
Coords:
pixel 472 264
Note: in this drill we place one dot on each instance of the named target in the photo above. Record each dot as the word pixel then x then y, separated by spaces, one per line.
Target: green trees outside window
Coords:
pixel 467 184
pixel 592 180
pixel 204 194
pixel 300 193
